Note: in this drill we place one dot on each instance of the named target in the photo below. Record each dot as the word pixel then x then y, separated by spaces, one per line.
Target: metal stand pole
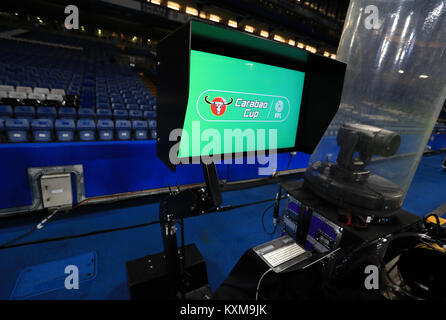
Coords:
pixel 169 235
pixel 177 206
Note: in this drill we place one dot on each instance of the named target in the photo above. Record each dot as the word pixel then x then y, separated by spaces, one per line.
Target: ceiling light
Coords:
pixel 249 29
pixel 264 33
pixel 311 49
pixel 173 5
pixel 192 11
pixel 233 23
pixel 214 18
pixel 278 38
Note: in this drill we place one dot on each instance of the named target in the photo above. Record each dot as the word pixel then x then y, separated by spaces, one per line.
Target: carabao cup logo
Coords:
pixel 218 105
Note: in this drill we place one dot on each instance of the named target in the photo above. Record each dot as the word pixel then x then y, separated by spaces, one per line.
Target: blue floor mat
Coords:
pixel 46 277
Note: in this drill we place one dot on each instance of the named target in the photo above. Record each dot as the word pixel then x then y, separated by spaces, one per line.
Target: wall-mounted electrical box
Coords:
pixel 56 190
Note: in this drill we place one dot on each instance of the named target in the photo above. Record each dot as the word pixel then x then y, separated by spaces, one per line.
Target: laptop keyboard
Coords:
pixel 282 255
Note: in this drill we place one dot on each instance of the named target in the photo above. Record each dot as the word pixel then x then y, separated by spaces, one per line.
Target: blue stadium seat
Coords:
pixel 103 113
pixel 123 128
pixel 85 113
pixel 132 106
pixel 129 101
pixel 67 113
pixel 119 114
pixel 46 112
pixel 149 115
pixel 17 130
pixel 105 129
pixel 146 107
pixel 5 112
pixel 25 112
pixel 102 105
pixel 152 124
pixel 86 104
pixel 13 83
pixel 2 128
pixel 86 129
pixel 42 130
pixel 135 114
pixel 127 95
pixel 65 129
pixel 116 100
pixel 117 106
pixel 140 129
pixel 101 100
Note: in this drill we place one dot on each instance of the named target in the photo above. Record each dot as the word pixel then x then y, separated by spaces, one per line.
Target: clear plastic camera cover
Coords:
pixel 395 52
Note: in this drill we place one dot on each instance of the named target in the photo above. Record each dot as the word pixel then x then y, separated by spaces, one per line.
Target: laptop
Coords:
pixel 282 253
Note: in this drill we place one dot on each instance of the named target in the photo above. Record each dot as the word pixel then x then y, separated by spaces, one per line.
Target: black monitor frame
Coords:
pixel 324 78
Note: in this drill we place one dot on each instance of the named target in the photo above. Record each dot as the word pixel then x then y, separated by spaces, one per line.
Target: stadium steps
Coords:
pixel 148 83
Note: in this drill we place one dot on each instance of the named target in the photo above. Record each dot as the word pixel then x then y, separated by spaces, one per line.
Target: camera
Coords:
pixel 348 183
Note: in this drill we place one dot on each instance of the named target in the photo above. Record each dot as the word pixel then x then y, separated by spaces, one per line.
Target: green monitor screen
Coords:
pixel 228 94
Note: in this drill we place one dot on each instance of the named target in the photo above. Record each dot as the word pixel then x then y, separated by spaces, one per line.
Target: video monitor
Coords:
pixel 231 94
pixel 227 94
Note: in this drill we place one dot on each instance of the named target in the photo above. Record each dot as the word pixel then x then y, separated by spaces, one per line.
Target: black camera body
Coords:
pixel 348 184
pixel 366 141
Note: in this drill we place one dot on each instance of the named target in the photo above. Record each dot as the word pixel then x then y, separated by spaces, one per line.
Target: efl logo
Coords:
pixel 218 105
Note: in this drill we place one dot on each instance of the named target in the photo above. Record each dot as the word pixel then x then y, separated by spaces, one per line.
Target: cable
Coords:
pixel 92 233
pixel 277 202
pixel 263 222
pixel 232 207
pixel 276 218
pixel 10 244
pixel 438 225
pixel 432 247
pixel 291 158
pixel 260 281
pixel 38 226
pixel 398 287
pixel 277 206
pixel 437 218
pixel 321 258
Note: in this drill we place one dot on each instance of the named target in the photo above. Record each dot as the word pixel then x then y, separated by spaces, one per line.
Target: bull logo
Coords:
pixel 218 105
